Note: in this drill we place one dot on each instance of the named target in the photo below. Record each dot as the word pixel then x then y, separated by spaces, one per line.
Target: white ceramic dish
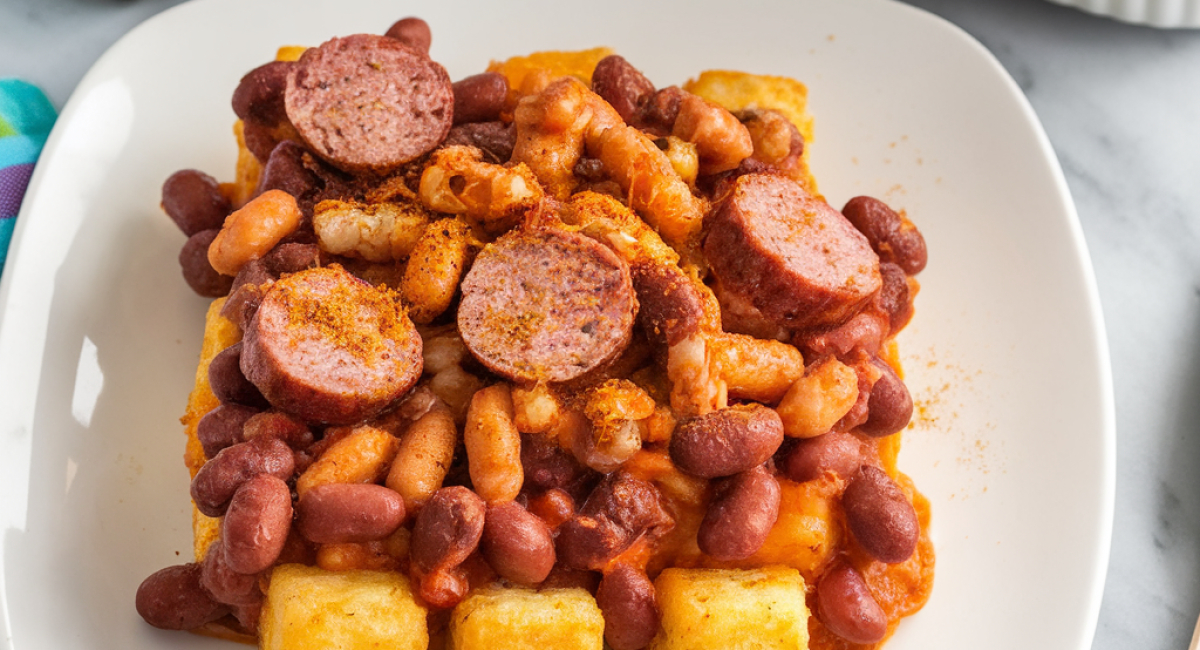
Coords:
pixel 1014 439
pixel 1156 13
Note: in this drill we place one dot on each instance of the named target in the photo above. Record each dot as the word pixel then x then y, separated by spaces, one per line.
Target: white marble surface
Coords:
pixel 1121 105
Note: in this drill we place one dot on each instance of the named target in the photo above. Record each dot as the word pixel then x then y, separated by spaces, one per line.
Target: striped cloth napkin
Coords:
pixel 25 120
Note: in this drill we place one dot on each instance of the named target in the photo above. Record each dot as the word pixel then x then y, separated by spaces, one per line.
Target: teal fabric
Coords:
pixel 26 117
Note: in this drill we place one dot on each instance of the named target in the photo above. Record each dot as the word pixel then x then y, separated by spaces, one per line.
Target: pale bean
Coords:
pixel 434 269
pixel 535 408
pixel 423 457
pixel 756 369
pixel 493 445
pixel 816 401
pixel 360 457
pixel 253 230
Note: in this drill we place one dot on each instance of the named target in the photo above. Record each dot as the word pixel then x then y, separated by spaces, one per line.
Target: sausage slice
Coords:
pixel 546 305
pixel 330 348
pixel 369 103
pixel 795 258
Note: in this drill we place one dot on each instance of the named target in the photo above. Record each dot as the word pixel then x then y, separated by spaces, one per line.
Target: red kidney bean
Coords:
pixel 547 465
pixel 246 294
pixel 517 544
pixel 562 577
pixel 248 616
pixel 879 516
pixel 277 424
pixel 728 441
pixel 741 514
pixel 620 509
pixel 259 95
pixel 661 110
pixel 197 271
pixel 846 607
pixel 889 406
pixel 447 529
pixel 837 452
pixel 480 97
pixel 627 602
pixel 495 139
pixel 225 585
pixel 194 201
pixel 229 383
pixel 173 599
pixel 256 524
pixel 413 32
pixel 894 238
pixel 895 299
pixel 336 513
pixel 622 85
pixel 219 479
pixel 292 258
pixel 222 427
pixel 285 170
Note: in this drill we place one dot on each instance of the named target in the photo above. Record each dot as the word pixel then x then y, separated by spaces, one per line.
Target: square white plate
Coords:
pixel 1013 440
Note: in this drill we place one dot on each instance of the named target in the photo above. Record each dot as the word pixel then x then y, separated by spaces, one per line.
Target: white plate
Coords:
pixel 1014 440
pixel 1157 13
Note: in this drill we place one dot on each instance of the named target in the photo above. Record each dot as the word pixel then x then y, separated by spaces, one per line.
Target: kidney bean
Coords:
pixel 197 271
pixel 562 577
pixel 627 602
pixel 741 514
pixel 222 427
pixel 229 383
pixel 495 139
pixel 894 238
pixel 837 452
pixel 661 110
pixel 276 424
pixel 889 406
pixel 728 441
pixel 448 529
pixel 225 585
pixel 256 524
pixel 480 97
pixel 259 95
pixel 413 32
pixel 194 201
pixel 622 85
pixel 285 170
pixel 173 599
pixel 517 544
pixel 336 513
pixel 895 299
pixel 846 607
pixel 218 479
pixel 547 465
pixel 292 257
pixel 248 616
pixel 880 517
pixel 620 509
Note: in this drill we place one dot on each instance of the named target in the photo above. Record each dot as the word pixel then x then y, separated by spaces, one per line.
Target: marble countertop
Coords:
pixel 1121 105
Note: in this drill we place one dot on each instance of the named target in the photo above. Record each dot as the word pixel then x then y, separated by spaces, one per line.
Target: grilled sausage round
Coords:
pixel 546 305
pixel 330 348
pixel 410 111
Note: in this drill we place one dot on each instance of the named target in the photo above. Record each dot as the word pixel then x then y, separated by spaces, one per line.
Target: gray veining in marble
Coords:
pixel 1121 105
